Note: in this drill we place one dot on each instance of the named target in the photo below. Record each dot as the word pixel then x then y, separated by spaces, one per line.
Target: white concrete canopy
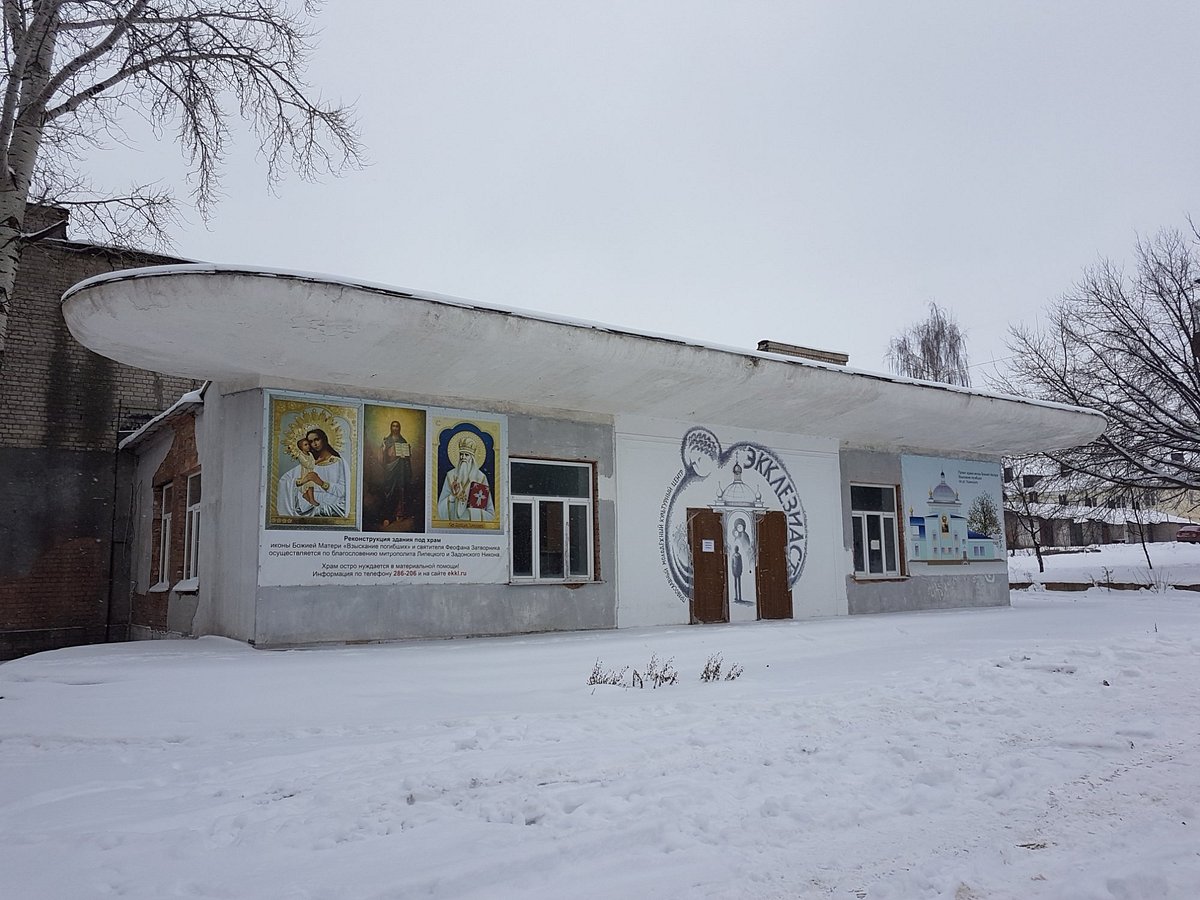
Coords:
pixel 244 328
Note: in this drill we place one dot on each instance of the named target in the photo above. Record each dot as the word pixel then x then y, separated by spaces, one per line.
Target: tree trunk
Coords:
pixel 1145 549
pixel 1032 529
pixel 20 157
pixel 1137 517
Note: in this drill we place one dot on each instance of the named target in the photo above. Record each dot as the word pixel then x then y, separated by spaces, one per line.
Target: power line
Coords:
pixel 992 361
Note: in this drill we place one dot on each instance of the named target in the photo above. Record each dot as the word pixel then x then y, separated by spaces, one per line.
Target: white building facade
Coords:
pixel 382 465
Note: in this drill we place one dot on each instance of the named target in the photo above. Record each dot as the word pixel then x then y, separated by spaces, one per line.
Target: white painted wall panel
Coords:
pixel 663 467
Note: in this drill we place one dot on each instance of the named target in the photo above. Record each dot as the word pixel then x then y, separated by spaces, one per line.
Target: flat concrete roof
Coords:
pixel 244 328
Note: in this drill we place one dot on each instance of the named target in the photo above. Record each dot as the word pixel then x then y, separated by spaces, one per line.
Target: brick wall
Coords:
pixel 149 608
pixel 54 584
pixel 53 391
pixel 61 409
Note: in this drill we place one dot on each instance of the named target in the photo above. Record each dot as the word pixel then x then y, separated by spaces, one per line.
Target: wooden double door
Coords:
pixel 710 579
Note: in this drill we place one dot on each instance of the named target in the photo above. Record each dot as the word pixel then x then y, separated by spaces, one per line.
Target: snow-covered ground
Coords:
pixel 1050 750
pixel 1170 563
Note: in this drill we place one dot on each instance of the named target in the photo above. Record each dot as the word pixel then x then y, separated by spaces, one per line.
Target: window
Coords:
pixel 191 535
pixel 873 517
pixel 551 521
pixel 165 503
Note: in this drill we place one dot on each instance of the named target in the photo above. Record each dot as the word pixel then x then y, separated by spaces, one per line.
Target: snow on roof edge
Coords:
pixel 429 296
pixel 188 401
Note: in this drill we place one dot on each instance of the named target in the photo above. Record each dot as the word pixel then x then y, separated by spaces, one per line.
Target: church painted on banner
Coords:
pixel 368 464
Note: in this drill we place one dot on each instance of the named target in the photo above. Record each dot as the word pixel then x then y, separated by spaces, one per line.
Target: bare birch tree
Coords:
pixel 934 349
pixel 71 68
pixel 1126 346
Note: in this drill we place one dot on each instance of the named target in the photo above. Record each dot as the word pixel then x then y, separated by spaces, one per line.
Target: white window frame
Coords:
pixel 533 501
pixel 165 494
pixel 859 517
pixel 191 536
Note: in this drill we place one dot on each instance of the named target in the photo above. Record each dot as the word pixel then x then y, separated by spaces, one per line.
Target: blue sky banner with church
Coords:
pixel 953 519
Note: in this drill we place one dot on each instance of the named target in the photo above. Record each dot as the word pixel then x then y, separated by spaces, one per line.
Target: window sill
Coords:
pixel 189 586
pixel 871 579
pixel 542 582
pixel 161 588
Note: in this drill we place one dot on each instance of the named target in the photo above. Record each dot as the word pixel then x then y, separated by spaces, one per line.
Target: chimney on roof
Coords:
pixel 48 218
pixel 825 356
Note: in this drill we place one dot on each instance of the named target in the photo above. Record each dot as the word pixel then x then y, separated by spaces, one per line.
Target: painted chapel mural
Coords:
pixel 735 488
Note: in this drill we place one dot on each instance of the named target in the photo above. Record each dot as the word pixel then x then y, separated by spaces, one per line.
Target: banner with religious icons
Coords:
pixel 366 492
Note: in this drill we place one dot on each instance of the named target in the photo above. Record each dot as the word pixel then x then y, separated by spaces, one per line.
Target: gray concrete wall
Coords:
pixel 229 436
pixel 907 593
pixel 314 614
pixel 926 592
pixel 865 467
pixel 304 615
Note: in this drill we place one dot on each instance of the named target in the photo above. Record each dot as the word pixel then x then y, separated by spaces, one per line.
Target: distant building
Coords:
pixel 1071 525
pixel 1060 510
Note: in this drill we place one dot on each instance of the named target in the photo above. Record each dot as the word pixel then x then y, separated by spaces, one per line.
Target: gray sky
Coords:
pixel 728 171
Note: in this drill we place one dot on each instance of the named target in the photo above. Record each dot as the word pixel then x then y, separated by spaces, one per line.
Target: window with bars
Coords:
pixel 876 541
pixel 552 520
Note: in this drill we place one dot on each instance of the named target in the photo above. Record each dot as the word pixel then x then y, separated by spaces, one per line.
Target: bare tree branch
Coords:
pixel 1126 346
pixel 71 68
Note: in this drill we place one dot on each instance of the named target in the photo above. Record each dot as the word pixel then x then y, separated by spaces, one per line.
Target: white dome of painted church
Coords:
pixel 943 493
pixel 738 493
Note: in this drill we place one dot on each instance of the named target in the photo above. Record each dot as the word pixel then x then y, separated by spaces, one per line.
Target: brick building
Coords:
pixel 64 409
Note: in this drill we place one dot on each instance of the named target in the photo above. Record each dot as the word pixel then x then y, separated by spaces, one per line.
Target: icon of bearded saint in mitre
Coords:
pixel 466 495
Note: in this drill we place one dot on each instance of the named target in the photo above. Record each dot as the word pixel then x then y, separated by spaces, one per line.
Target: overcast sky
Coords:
pixel 814 173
